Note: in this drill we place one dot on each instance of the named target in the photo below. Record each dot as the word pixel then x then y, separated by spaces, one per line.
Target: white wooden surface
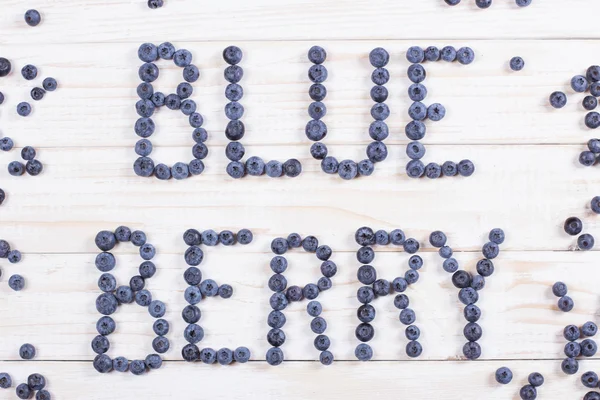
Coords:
pixel 527 181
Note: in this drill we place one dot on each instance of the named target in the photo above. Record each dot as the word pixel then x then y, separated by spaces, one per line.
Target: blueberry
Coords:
pixel 397 237
pixel 188 107
pixel 16 168
pixel 535 379
pixel 417 111
pixel 504 375
pixel 465 55
pixel 193 333
pixel 363 352
pixel 6 144
pixel 36 382
pixel 191 73
pixel 107 283
pixel 292 168
pixel 323 252
pixel 416 73
pixel 590 103
pixel 14 256
pixel 411 246
pixel 29 72
pixel 573 226
pixel 5 67
pixel 310 291
pixel 143 166
pixel 276 319
pixel 490 250
pixel 450 265
pixel 572 349
pixel 592 120
pixel 235 152
pixel 317 55
pixel 433 170
pixel 192 276
pixel 106 304
pixel 317 73
pixel 24 391
pixel 190 353
pixel 192 295
pixel 591 396
pixel 517 63
pixel 366 313
pixel 595 89
pixel 461 279
pixel 241 355
pixel 279 301
pixel 401 301
pixel 37 93
pixel 34 167
pixel 437 239
pixel 571 333
pixel 1 97
pixel 210 237
pixel 589 379
pixel 2 196
pixel 148 52
pixel 378 130
pixel 365 295
pixel 232 55
pixel 157 309
pixel 317 150
pixel 436 112
pixel 160 327
pixel 23 109
pixel 417 92
pixel 143 147
pixel 382 238
pixel 234 92
pixel 380 76
pixel 27 351
pixel 105 326
pixel 400 284
pixel 366 167
pixel 182 58
pixel 227 238
pixel 472 350
pixel 579 83
pixel 137 367
pixel 124 294
pixel 466 168
pixel 244 236
pixel 485 267
pixel 483 3
pixel 173 102
pixel 415 130
pixel 148 72
pixel 412 332
pixel 449 168
pixel 523 3
pixel 379 94
pixel 224 356
pixel 565 304
pixel 468 296
pixel 527 392
pixel 103 363
pixel 330 165
pixel 317 92
pixel 364 332
pixel 255 166
pixel 558 99
pixel 315 130
pixel 49 84
pixel 379 57
pixel 180 170
pixel 100 344
pixel 407 316
pixel 588 348
pixel 322 342
pixel 414 349
pixel 153 361
pixel 274 356
pixel 380 111
pixel 147 251
pixel 415 55
pixel 209 288
pixel 559 289
pixel 347 169
pixel 570 366
pixel 377 151
pixel 432 53
pixel 585 242
pixel 328 269
pixel 448 53
pixel 234 110
pixel 326 358
pixel 381 287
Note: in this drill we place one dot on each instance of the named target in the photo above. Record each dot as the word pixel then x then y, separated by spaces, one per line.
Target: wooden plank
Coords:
pixel 486 102
pixel 117 21
pixel 456 380
pixel 520 319
pixel 82 192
